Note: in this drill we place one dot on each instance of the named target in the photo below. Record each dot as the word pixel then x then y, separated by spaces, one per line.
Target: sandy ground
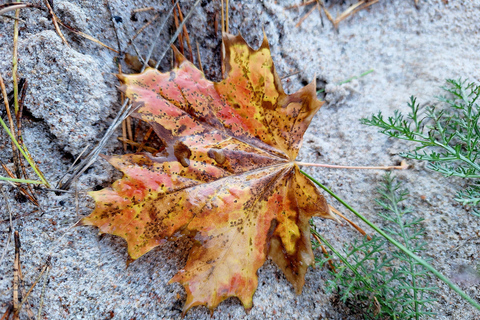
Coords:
pixel 72 99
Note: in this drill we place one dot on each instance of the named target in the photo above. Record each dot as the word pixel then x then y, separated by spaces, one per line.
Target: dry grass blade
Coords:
pixel 305 16
pixel 40 307
pixel 185 32
pixel 146 25
pixel 45 267
pixel 86 36
pixel 143 9
pixel 157 37
pixel 125 110
pixel 352 10
pixel 180 38
pixel 4 8
pixel 16 276
pixel 301 4
pixel 7 313
pixel 10 228
pixel 55 22
pixel 179 29
pixel 325 253
pixel 199 58
pixel 350 222
pixel 9 115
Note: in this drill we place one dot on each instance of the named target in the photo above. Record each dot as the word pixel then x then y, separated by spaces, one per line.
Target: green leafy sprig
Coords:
pixel 384 284
pixel 448 135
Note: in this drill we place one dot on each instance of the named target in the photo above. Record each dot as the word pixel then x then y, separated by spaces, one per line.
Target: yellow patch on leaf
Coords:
pixel 227 177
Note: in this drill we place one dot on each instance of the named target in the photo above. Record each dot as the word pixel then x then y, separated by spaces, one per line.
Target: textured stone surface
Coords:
pixel 72 98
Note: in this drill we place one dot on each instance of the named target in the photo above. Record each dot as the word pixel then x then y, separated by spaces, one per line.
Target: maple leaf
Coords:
pixel 227 177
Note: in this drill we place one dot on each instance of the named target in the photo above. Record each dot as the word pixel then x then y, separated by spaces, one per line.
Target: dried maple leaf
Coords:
pixel 227 177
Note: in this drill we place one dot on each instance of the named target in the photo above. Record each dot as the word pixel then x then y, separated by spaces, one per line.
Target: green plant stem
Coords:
pixel 398 245
pixel 20 180
pixel 29 160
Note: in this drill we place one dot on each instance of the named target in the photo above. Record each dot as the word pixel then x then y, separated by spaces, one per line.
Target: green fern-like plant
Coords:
pixel 382 283
pixel 447 135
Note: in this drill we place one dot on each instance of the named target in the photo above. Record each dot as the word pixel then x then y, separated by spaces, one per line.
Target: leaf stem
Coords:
pixel 403 166
pixel 398 245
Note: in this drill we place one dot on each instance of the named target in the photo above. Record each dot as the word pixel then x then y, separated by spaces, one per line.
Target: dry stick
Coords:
pixel 350 222
pixel 199 58
pixel 185 32
pixel 325 253
pixel 55 23
pixel 174 37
